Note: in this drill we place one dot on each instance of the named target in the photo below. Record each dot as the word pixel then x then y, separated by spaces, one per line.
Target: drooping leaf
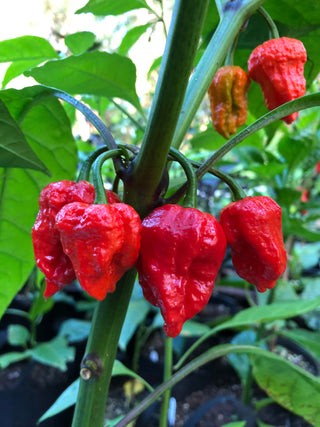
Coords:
pixel 110 7
pixel 15 152
pixel 310 340
pixel 75 330
pixel 48 132
pixel 137 312
pixel 24 52
pixel 55 353
pixel 92 73
pixel 80 42
pixel 69 396
pixel 131 37
pixel 18 335
pixel 12 357
pixel 289 385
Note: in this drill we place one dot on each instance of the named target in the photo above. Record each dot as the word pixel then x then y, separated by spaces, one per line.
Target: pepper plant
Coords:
pixel 204 33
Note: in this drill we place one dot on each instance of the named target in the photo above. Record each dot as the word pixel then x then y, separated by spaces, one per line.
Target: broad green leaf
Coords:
pixel 15 152
pixel 69 396
pixel 295 227
pixel 55 353
pixel 310 340
pixel 290 386
pixel 208 140
pixel 18 335
pixel 92 73
pixel 64 401
pixel 24 52
pixel 48 132
pixel 137 312
pixel 12 357
pixel 192 328
pixel 80 42
pixel 240 362
pixel 235 424
pixel 110 7
pixel 268 313
pixel 131 37
pixel 75 330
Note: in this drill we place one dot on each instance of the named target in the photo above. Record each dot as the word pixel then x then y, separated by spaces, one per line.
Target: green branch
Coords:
pixel 184 34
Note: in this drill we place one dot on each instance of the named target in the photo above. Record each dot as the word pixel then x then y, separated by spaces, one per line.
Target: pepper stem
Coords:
pixel 100 192
pixel 235 188
pixel 190 199
pixel 84 173
pixel 274 33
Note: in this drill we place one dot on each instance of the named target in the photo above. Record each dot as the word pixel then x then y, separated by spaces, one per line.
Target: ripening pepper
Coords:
pixel 49 255
pixel 181 252
pixel 228 99
pixel 102 242
pixel 277 65
pixel 253 230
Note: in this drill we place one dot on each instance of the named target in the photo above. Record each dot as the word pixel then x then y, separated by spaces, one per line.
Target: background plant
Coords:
pixel 276 160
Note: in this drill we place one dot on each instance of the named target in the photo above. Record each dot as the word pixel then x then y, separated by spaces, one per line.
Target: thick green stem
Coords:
pixel 167 375
pixel 185 30
pixel 100 354
pixel 233 16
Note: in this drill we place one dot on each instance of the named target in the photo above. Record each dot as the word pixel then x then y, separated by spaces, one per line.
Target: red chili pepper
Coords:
pixel 277 65
pixel 317 171
pixel 253 230
pixel 181 252
pixel 102 242
pixel 49 255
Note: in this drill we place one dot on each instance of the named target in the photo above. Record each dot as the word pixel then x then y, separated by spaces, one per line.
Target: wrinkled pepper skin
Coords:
pixel 254 233
pixel 277 65
pixel 49 255
pixel 102 242
pixel 181 252
pixel 228 99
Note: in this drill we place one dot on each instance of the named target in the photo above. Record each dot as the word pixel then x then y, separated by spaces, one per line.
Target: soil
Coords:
pixel 209 397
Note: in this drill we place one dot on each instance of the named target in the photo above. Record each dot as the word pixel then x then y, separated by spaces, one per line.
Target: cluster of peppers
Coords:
pixel 177 250
pixel 277 66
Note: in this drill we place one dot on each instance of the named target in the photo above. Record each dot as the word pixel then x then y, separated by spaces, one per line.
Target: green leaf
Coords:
pixel 131 37
pixel 18 335
pixel 69 396
pixel 92 73
pixel 24 52
pixel 75 330
pixel 208 140
pixel 64 401
pixel 192 328
pixel 269 313
pixel 290 386
pixel 48 132
pixel 155 65
pixel 54 353
pixel 15 152
pixel 310 340
pixel 240 362
pixel 295 227
pixel 110 7
pixel 12 357
pixel 137 312
pixel 80 42
pixel 235 424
